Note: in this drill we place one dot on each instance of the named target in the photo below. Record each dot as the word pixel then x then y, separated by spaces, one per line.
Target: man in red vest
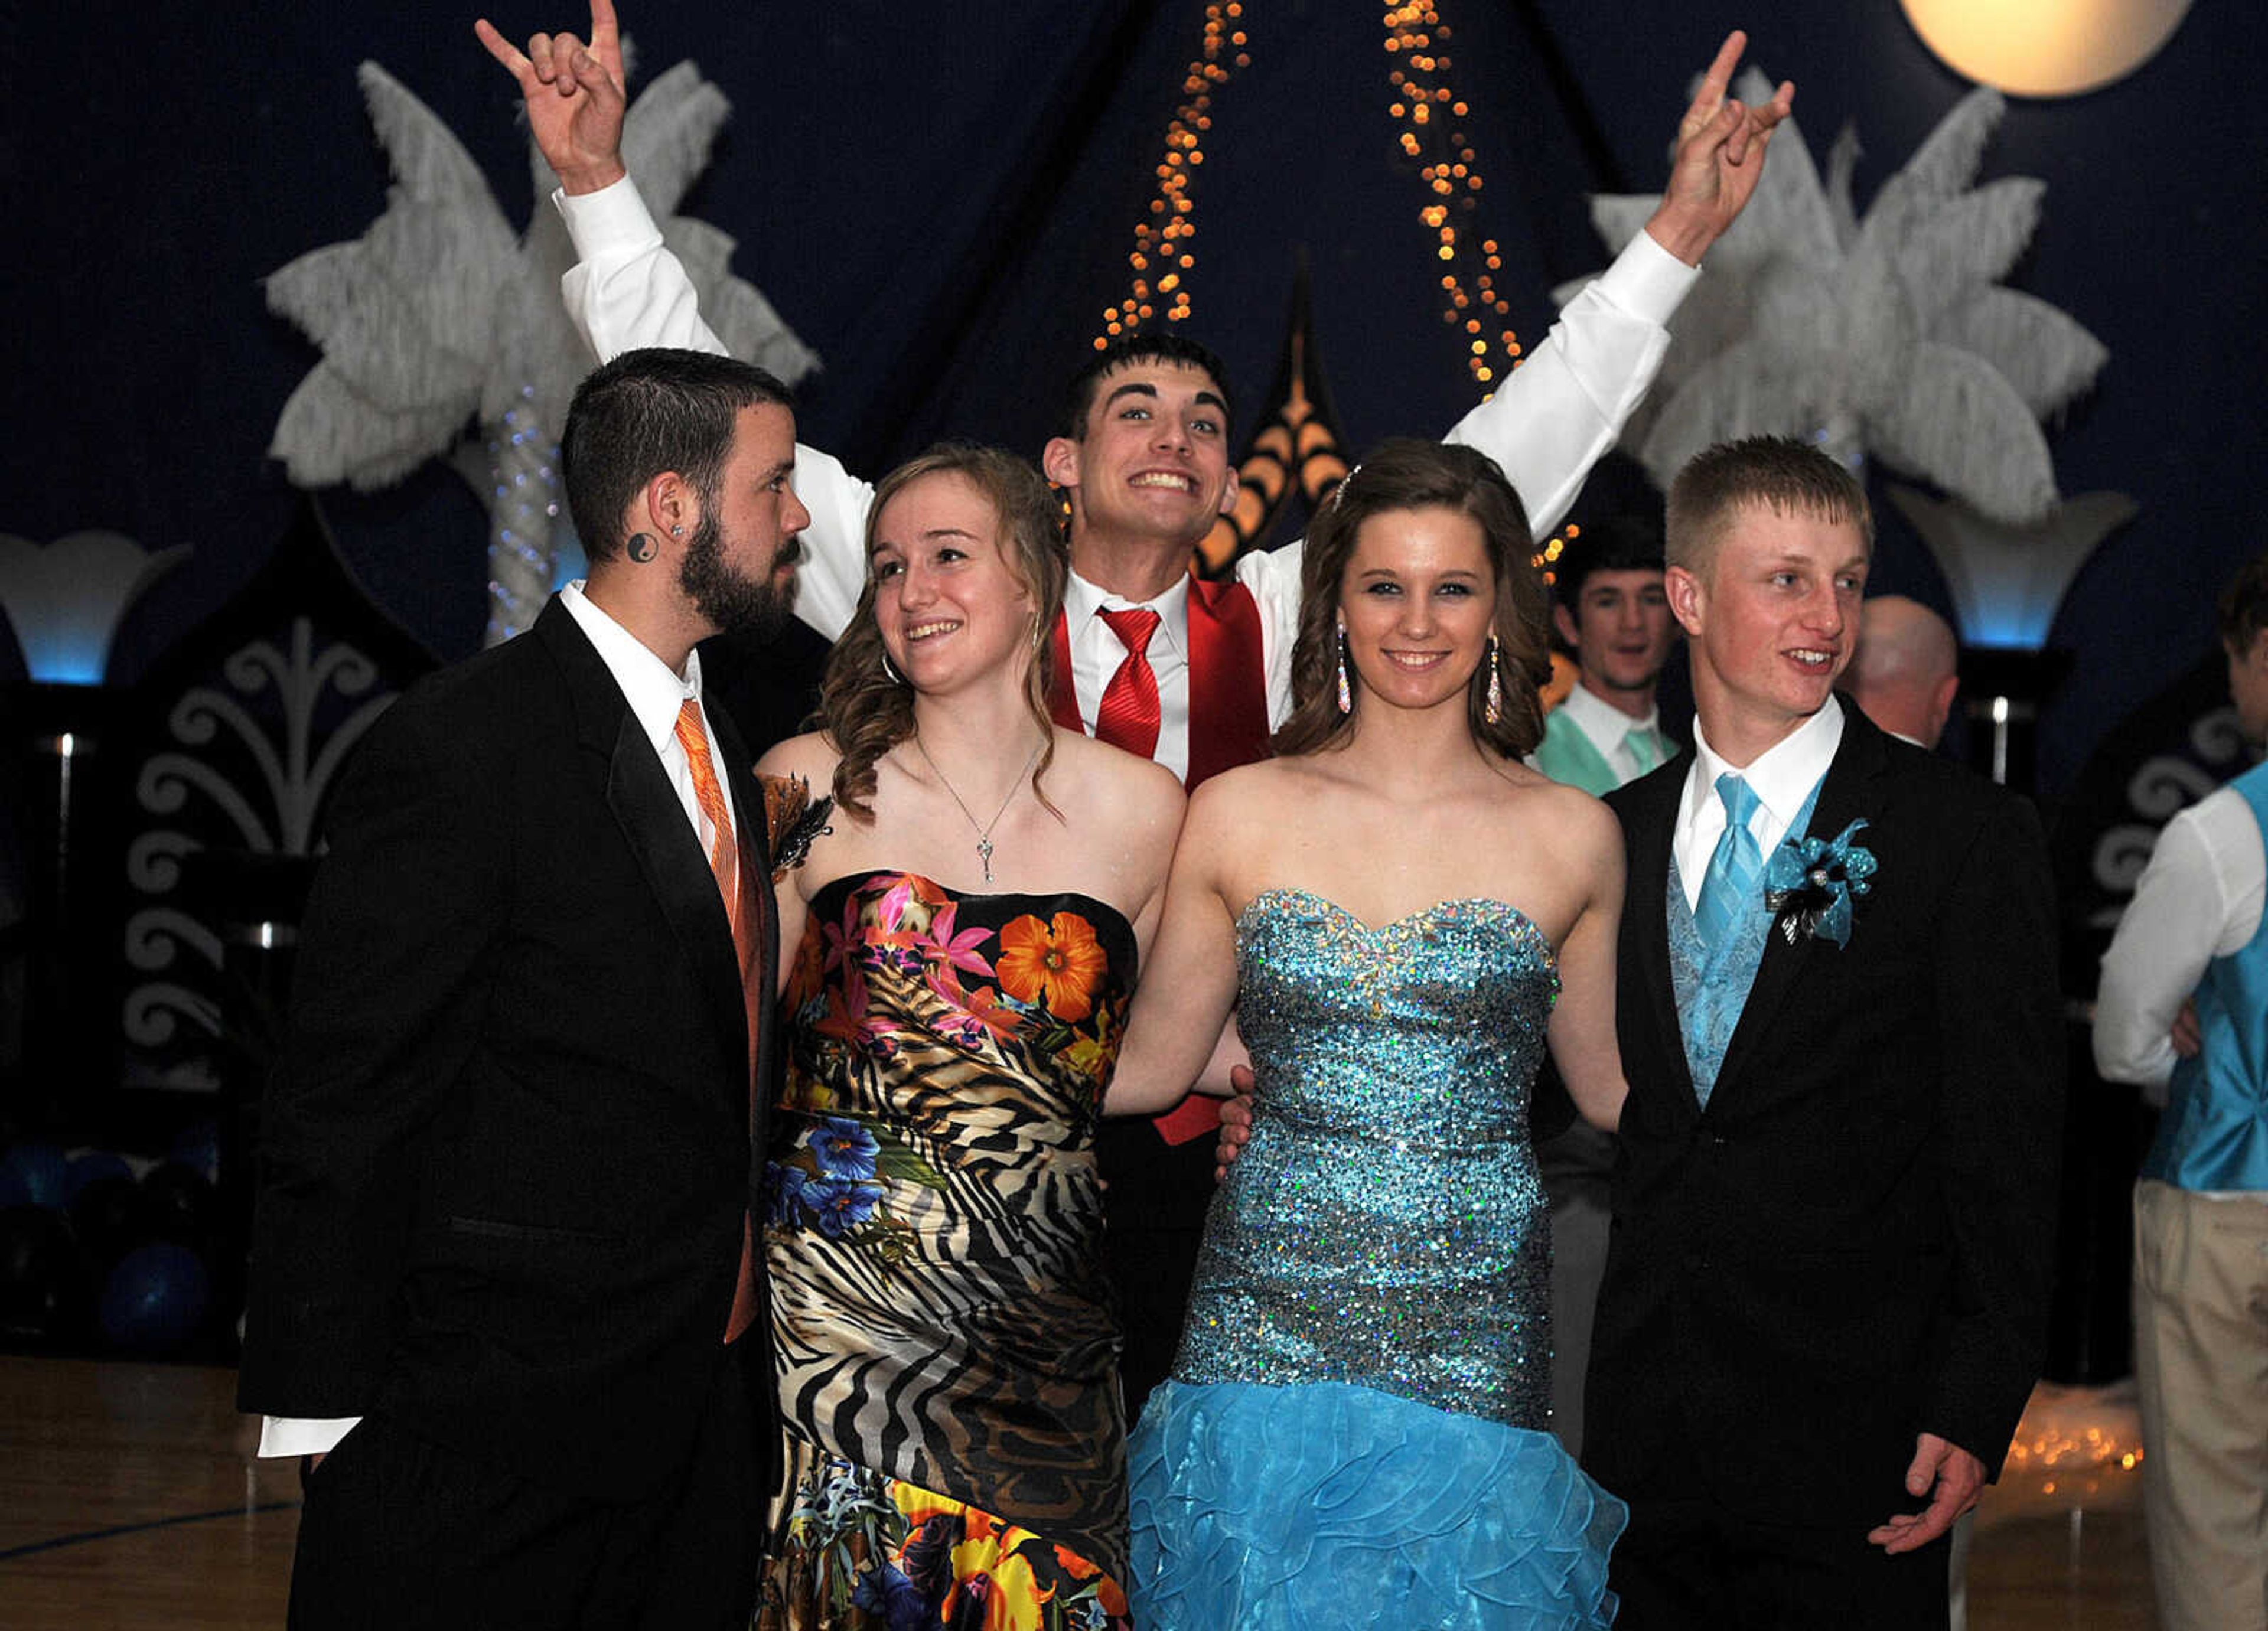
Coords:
pixel 1193 674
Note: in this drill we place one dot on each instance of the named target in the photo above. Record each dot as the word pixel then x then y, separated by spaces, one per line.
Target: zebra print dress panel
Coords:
pixel 939 1310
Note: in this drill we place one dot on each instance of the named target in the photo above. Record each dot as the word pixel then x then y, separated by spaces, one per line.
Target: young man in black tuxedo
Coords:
pixel 1826 1292
pixel 500 1270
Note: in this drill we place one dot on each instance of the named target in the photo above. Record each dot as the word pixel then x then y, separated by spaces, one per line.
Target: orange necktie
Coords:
pixel 725 863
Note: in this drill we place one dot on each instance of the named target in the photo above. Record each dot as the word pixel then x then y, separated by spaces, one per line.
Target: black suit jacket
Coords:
pixel 506 1151
pixel 1853 1243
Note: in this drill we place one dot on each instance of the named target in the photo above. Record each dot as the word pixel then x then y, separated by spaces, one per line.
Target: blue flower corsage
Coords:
pixel 1809 883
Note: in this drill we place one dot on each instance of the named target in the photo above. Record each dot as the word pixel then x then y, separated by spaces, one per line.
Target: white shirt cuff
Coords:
pixel 616 217
pixel 1646 280
pixel 303 1436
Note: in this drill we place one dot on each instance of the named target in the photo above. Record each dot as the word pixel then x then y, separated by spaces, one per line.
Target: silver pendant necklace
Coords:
pixel 983 831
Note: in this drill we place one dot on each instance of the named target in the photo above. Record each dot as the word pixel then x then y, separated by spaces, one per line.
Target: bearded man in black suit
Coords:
pixel 1826 1289
pixel 500 1269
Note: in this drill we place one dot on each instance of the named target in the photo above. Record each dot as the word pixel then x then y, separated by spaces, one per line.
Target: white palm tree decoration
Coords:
pixel 442 331
pixel 1887 336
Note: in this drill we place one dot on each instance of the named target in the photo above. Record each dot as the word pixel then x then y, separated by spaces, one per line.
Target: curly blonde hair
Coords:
pixel 1406 474
pixel 865 707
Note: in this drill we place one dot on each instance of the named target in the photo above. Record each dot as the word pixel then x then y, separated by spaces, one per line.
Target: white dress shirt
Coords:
pixel 1096 652
pixel 655 694
pixel 1546 425
pixel 2198 898
pixel 1783 777
pixel 1607 728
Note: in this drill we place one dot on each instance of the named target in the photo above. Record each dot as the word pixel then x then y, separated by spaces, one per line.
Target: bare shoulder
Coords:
pixel 1124 774
pixel 1248 793
pixel 812 756
pixel 1577 827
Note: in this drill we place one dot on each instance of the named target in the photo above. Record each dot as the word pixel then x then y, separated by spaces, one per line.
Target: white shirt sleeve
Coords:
pixel 1273 577
pixel 625 291
pixel 1563 407
pixel 303 1436
pixel 2197 898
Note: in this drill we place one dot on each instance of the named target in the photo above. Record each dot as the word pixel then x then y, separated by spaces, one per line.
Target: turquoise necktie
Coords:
pixel 1729 889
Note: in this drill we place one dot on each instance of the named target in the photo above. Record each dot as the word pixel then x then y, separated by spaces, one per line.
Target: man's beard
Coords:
pixel 737 604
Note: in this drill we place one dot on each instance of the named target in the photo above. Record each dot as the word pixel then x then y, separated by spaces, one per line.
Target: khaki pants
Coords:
pixel 2201 1360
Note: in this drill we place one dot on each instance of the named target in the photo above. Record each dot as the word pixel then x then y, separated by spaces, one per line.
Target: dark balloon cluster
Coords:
pixel 99 1253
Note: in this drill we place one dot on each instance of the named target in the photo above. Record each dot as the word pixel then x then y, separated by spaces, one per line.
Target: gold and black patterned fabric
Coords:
pixel 941 1318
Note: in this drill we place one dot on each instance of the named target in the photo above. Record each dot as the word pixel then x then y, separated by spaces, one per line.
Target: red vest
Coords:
pixel 1228 727
pixel 1228 680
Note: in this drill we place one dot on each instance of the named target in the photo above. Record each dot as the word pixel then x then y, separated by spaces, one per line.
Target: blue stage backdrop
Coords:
pixel 941 198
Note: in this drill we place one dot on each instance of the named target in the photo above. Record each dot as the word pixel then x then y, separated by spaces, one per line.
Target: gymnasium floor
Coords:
pixel 129 1497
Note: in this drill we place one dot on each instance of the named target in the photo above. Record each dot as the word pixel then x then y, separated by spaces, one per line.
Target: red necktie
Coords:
pixel 1128 717
pixel 725 863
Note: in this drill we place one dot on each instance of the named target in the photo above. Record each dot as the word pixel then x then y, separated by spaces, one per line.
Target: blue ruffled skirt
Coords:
pixel 1329 1505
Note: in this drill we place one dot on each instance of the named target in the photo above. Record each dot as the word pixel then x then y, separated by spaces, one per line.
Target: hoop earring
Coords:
pixel 1346 691
pixel 888 673
pixel 1494 709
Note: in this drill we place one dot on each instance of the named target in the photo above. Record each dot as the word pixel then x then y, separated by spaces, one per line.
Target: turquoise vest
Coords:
pixel 1712 991
pixel 2214 1134
pixel 1566 755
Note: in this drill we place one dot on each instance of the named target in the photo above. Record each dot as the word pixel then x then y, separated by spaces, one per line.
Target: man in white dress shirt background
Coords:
pixel 2182 1012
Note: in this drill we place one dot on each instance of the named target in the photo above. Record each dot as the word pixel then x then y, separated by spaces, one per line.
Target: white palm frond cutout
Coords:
pixel 442 334
pixel 1884 335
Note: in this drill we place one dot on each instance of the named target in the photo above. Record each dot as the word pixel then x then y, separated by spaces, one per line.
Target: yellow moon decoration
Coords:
pixel 2044 47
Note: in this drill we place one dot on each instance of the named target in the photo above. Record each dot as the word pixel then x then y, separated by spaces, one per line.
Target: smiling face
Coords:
pixel 1153 461
pixel 1417 600
pixel 949 607
pixel 1772 613
pixel 1621 629
pixel 739 566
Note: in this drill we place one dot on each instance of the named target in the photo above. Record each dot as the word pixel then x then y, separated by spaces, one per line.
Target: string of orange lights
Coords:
pixel 1425 106
pixel 1162 236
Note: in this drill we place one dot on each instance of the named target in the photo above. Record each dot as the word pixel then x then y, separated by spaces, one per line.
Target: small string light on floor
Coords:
pixel 1163 258
pixel 1429 113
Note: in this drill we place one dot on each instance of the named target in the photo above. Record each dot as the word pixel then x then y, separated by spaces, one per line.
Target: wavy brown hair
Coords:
pixel 1405 474
pixel 864 708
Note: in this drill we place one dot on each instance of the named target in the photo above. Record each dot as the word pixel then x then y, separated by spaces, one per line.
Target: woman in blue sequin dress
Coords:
pixel 1356 1432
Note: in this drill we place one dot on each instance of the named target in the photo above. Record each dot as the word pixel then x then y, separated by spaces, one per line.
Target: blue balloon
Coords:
pixel 155 1300
pixel 32 1174
pixel 87 1169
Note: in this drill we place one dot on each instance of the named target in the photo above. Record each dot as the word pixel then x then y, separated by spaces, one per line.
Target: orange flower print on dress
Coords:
pixel 1056 966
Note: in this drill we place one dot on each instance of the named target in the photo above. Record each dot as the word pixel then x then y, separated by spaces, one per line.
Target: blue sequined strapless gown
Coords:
pixel 1356 1432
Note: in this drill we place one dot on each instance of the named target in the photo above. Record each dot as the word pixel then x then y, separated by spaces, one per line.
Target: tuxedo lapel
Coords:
pixel 1851 789
pixel 652 820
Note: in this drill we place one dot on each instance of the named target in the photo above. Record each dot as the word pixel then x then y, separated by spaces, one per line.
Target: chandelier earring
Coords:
pixel 1492 710
pixel 1346 691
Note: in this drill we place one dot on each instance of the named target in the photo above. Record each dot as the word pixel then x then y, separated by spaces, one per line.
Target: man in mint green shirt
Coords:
pixel 1611 610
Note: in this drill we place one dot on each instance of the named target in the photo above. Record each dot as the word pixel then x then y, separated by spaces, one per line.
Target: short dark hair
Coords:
pixel 1774 473
pixel 1627 542
pixel 646 411
pixel 1405 474
pixel 1124 352
pixel 2243 607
